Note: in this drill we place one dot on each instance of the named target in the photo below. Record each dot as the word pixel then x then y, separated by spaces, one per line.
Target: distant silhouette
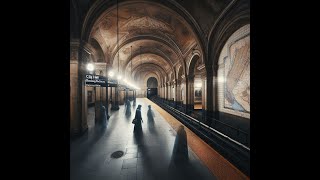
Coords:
pixel 103 116
pixel 128 108
pixel 150 115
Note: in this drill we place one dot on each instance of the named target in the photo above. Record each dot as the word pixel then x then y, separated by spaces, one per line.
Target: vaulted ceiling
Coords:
pixel 148 34
pixel 139 37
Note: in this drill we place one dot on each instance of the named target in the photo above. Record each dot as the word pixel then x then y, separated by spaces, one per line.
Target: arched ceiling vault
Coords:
pixel 148 67
pixel 145 75
pixel 145 71
pixel 150 49
pixel 148 58
pixel 140 18
pixel 161 43
pixel 179 73
pixel 148 45
pixel 165 37
pixel 97 50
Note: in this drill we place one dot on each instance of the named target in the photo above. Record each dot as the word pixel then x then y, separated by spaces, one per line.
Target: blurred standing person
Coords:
pixel 128 107
pixel 150 115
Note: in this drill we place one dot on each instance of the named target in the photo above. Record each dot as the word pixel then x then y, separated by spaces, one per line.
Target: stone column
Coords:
pixel 204 92
pixel 210 96
pixel 85 59
pixel 169 90
pixel 78 110
pixel 162 90
pixel 204 95
pixel 215 105
pixel 75 101
pixel 111 96
pixel 115 105
pixel 107 91
pixel 190 96
pixel 97 100
pixel 121 95
pixel 184 95
pixel 165 91
pixel 176 90
pixel 173 90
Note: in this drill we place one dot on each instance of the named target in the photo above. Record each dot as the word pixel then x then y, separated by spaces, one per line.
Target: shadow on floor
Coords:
pixel 180 166
pixel 88 139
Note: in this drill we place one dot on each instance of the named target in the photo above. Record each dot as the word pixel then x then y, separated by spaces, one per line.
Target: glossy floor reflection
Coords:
pixel 147 155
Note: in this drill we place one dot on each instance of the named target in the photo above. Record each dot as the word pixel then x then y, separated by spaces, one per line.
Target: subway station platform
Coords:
pixel 114 152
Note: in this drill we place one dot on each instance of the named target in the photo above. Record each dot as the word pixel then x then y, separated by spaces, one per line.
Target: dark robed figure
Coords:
pixel 138 117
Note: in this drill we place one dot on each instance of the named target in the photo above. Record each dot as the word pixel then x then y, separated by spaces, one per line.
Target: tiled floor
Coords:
pixel 146 156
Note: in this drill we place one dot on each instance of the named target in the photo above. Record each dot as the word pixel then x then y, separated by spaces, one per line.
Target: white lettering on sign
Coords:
pixel 88 76
pixel 94 80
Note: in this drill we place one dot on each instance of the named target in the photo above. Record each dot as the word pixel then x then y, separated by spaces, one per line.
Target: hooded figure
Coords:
pixel 180 148
pixel 128 107
pixel 138 118
pixel 150 114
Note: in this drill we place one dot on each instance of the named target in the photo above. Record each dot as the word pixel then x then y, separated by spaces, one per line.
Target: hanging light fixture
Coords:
pixel 119 76
pixel 115 106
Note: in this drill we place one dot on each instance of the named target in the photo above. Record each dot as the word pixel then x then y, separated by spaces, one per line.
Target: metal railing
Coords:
pixel 233 132
pixel 236 152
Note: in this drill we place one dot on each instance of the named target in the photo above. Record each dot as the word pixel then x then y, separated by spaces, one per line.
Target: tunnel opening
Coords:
pixel 152 87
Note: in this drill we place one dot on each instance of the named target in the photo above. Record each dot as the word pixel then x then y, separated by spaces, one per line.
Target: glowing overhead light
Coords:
pixel 119 77
pixel 90 67
pixel 221 79
pixel 135 87
pixel 198 85
pixel 111 74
